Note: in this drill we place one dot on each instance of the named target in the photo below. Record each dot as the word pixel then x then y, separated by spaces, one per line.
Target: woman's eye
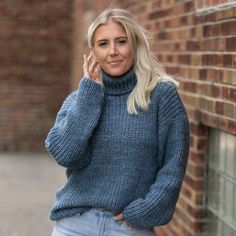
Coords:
pixel 121 41
pixel 102 44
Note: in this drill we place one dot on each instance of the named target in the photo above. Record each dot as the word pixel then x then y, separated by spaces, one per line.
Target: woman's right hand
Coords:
pixel 92 68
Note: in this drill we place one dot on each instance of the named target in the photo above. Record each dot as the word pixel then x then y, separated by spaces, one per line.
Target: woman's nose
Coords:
pixel 113 50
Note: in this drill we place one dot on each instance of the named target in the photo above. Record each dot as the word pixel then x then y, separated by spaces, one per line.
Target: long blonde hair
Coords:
pixel 147 69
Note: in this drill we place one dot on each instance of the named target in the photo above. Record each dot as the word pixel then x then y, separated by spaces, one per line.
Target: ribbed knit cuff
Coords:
pixel 145 215
pixel 90 90
pixel 133 217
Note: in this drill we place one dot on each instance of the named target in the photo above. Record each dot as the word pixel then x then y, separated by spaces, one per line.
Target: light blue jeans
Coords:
pixel 95 222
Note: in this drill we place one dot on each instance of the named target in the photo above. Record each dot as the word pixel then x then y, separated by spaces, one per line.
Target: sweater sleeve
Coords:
pixel 68 139
pixel 158 205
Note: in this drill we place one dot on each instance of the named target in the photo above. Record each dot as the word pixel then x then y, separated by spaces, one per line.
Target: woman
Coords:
pixel 123 137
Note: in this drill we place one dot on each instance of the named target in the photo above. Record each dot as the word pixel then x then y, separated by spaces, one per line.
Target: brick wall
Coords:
pixel 196 42
pixel 35 58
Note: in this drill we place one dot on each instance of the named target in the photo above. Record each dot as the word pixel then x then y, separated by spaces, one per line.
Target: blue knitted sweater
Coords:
pixel 132 164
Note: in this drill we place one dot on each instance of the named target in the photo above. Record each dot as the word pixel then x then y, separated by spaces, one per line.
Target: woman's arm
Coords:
pixel 157 207
pixel 68 139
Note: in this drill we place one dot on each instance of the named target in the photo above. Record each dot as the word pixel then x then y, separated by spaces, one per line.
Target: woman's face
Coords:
pixel 112 49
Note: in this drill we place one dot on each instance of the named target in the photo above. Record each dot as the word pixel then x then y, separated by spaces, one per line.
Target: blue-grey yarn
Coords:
pixel 134 164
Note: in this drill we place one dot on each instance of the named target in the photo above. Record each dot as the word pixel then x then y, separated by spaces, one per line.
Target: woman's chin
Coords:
pixel 116 71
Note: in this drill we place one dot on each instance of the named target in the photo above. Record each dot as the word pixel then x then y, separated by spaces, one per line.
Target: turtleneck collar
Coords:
pixel 118 85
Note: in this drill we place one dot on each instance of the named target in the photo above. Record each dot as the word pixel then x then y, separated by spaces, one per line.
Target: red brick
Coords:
pixel 193 113
pixel 215 91
pixel 228 61
pixel 214 30
pixel 209 45
pixel 210 17
pixel 195 226
pixel 207 104
pixel 219 76
pixel 172 70
pixel 195 170
pixel 184 59
pixel 230 44
pixel 225 92
pixel 220 44
pixel 189 86
pixel 193 45
pixel 234 61
pixel 229 110
pixel 219 107
pixel 188 6
pixel 198 129
pixel 199 143
pixel 158 14
pixel 196 184
pixel 203 74
pixel 162 35
pixel 194 212
pixel 232 94
pixel 213 59
pixel 215 121
pixel 228 28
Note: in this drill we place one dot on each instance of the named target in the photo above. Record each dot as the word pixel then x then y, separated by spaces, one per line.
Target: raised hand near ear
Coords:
pixel 92 68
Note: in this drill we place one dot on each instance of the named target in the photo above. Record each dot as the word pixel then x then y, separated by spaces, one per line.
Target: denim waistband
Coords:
pixel 102 211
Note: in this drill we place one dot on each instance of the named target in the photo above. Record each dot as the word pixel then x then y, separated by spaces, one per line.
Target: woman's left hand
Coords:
pixel 120 217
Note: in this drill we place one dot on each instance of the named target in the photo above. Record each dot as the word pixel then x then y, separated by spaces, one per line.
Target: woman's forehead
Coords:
pixel 111 29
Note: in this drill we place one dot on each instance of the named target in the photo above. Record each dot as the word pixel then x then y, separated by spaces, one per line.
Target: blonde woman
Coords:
pixel 123 137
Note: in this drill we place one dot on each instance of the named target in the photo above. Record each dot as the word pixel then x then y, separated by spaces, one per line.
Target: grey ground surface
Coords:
pixel 28 183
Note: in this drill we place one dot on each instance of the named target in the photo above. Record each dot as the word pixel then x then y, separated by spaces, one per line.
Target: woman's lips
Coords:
pixel 115 63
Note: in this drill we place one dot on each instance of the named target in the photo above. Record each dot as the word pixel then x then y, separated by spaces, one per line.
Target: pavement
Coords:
pixel 28 183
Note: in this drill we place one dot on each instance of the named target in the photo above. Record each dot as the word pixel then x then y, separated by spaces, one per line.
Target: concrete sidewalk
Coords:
pixel 28 183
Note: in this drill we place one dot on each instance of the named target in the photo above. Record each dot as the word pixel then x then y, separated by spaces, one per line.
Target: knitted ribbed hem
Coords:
pixel 60 214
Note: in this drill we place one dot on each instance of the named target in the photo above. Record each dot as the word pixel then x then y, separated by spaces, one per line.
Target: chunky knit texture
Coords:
pixel 132 164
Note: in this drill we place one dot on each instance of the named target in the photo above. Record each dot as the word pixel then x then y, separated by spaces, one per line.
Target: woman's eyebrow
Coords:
pixel 120 37
pixel 101 40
